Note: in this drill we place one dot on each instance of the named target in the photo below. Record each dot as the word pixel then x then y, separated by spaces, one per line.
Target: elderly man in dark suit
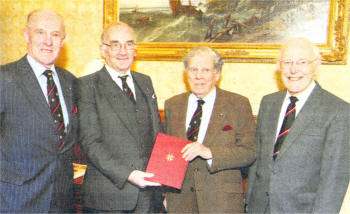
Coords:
pixel 119 121
pixel 302 140
pixel 37 123
pixel 222 131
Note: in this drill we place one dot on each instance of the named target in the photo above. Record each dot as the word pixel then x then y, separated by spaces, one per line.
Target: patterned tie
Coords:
pixel 126 88
pixel 193 129
pixel 288 120
pixel 55 106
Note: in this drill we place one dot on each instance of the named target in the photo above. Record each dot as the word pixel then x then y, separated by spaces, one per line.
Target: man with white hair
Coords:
pixel 38 123
pixel 302 140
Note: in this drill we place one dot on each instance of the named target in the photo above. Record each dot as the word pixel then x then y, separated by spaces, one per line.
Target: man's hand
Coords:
pixel 165 204
pixel 138 178
pixel 192 150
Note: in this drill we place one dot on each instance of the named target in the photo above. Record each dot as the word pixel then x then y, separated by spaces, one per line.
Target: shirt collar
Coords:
pixel 38 68
pixel 209 98
pixel 115 74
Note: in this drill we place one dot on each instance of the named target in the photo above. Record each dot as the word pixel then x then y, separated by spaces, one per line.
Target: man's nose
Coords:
pixel 48 40
pixel 293 68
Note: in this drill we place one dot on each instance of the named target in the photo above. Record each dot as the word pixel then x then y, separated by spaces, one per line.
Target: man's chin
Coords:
pixel 123 67
pixel 47 63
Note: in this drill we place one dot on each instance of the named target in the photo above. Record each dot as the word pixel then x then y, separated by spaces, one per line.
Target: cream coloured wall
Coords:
pixel 251 80
pixel 83 21
pixel 81 54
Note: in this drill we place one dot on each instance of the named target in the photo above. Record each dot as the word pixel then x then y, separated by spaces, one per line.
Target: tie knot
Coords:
pixel 48 73
pixel 293 99
pixel 123 78
pixel 200 102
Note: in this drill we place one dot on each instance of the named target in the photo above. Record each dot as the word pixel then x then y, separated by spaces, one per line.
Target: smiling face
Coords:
pixel 202 77
pixel 44 36
pixel 298 65
pixel 122 59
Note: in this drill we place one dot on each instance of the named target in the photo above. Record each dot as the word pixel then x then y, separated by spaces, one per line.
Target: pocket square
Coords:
pixel 75 110
pixel 227 128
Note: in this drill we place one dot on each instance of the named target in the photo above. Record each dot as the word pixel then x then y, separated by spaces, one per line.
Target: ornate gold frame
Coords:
pixel 333 52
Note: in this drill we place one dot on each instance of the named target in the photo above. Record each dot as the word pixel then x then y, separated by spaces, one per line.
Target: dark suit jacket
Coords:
pixel 33 172
pixel 109 140
pixel 230 137
pixel 311 172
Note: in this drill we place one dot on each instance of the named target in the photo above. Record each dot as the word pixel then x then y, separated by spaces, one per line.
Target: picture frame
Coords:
pixel 333 50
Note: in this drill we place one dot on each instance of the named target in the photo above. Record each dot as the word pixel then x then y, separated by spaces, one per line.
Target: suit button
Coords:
pixel 192 189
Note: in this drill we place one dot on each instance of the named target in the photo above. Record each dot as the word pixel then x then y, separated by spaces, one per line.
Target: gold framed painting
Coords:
pixel 241 30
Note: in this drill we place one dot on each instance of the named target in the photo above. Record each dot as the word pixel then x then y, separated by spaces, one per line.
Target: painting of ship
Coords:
pixel 179 9
pixel 226 21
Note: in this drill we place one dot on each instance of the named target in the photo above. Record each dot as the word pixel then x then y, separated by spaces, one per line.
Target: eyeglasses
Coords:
pixel 197 70
pixel 116 46
pixel 298 63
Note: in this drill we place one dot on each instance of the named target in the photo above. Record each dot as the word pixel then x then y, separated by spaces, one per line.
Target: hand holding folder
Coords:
pixel 166 162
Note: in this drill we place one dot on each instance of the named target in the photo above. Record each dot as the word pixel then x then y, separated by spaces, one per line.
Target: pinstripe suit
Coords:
pixel 34 175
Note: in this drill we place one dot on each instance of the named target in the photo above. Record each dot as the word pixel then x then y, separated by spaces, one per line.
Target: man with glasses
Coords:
pixel 119 121
pixel 302 140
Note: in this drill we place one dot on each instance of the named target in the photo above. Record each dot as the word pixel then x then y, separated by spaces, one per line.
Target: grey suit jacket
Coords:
pixel 33 171
pixel 230 137
pixel 311 172
pixel 109 140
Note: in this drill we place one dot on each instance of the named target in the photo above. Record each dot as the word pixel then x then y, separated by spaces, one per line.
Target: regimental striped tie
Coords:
pixel 126 89
pixel 55 106
pixel 193 129
pixel 288 120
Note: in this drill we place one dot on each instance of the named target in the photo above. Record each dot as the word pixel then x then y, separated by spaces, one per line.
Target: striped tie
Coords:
pixel 193 129
pixel 55 106
pixel 288 120
pixel 126 88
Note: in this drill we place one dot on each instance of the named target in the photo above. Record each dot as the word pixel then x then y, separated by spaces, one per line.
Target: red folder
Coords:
pixel 166 163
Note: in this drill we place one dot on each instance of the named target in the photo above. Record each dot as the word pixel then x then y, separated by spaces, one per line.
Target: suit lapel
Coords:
pixel 150 98
pixel 303 120
pixel 216 118
pixel 270 123
pixel 27 81
pixel 178 117
pixel 67 95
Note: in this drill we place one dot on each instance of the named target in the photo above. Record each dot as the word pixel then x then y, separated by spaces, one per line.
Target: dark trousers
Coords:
pixel 146 203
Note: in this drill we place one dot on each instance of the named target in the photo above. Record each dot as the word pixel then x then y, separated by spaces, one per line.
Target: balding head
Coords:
pixel 300 43
pixel 116 26
pixel 299 62
pixel 44 14
pixel 118 46
pixel 44 35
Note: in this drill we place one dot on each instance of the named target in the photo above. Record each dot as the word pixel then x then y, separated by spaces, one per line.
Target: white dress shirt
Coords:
pixel 207 109
pixel 115 76
pixel 302 98
pixel 39 70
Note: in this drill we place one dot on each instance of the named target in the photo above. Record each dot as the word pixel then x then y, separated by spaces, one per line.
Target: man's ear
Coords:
pixel 63 40
pixel 102 50
pixel 26 35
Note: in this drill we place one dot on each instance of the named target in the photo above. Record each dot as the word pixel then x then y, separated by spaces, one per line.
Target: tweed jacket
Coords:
pixel 230 137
